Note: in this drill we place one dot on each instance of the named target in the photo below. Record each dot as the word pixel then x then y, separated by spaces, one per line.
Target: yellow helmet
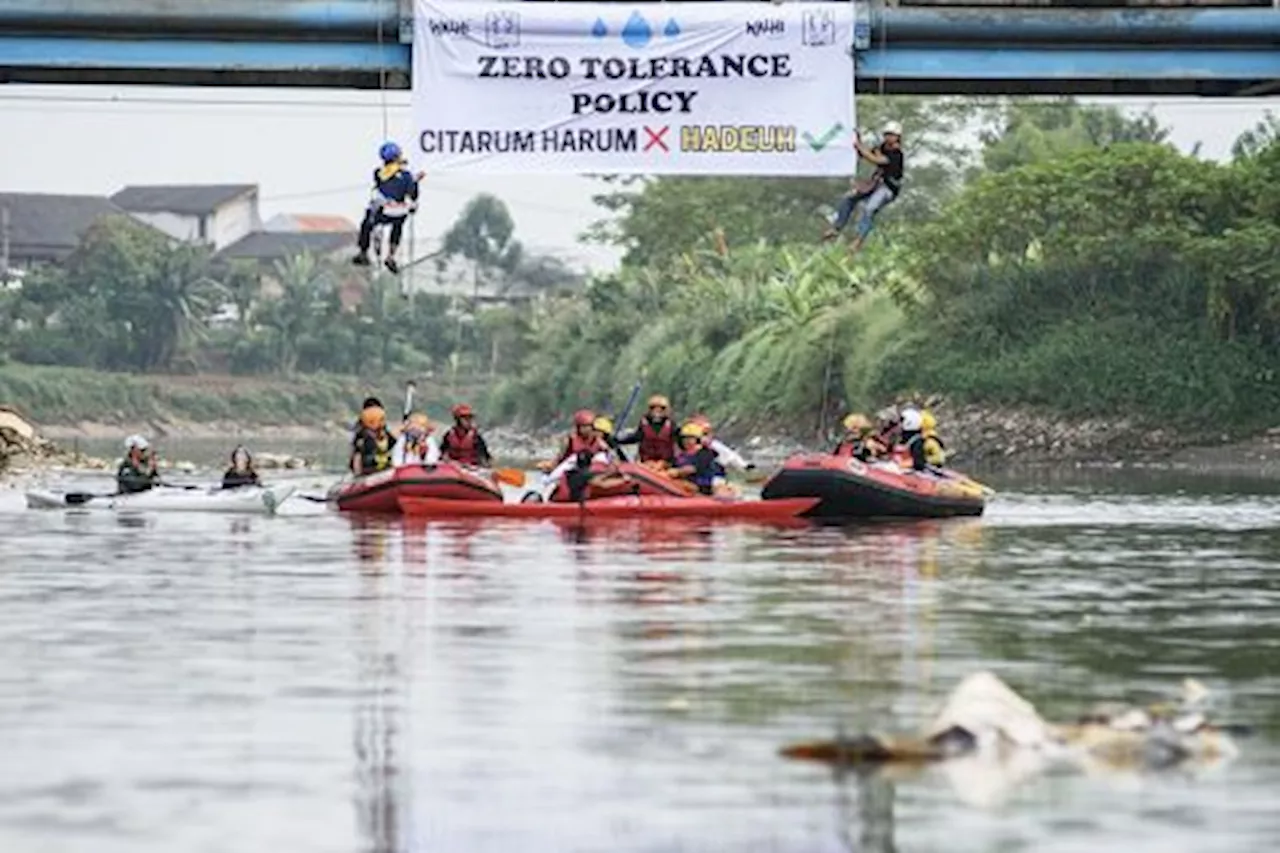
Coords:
pixel 373 417
pixel 857 423
pixel 420 421
pixel 928 423
pixel 692 430
pixel 659 400
pixel 603 424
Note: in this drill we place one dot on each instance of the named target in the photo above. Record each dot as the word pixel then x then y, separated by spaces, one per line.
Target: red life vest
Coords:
pixel 577 444
pixel 657 445
pixel 460 446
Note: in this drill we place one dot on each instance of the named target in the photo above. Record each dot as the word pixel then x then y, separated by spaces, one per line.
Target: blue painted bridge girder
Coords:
pixel 364 44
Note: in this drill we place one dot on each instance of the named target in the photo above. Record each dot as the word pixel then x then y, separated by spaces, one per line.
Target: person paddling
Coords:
pixel 137 471
pixel 463 442
pixel 656 433
pixel 241 473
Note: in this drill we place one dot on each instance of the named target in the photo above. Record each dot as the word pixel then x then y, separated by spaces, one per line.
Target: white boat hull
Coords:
pixel 251 500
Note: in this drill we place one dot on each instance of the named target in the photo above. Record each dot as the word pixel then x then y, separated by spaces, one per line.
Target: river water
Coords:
pixel 314 682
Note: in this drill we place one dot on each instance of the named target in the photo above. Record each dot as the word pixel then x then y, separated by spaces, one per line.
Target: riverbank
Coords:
pixel 986 439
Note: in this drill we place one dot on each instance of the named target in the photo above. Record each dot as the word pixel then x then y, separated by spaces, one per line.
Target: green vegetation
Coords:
pixel 1074 261
pixel 129 300
pixel 63 395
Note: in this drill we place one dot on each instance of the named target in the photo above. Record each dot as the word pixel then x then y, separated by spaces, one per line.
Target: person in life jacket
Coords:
pixel 395 195
pixel 913 439
pixel 695 460
pixel 875 193
pixel 859 441
pixel 137 471
pixel 463 442
pixel 373 443
pixel 726 456
pixel 241 473
pixel 888 429
pixel 604 427
pixel 584 447
pixel 656 433
pixel 416 444
pixel 935 452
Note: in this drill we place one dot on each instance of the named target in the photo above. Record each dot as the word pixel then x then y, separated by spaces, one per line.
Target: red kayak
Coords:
pixel 634 506
pixel 650 482
pixel 848 488
pixel 447 481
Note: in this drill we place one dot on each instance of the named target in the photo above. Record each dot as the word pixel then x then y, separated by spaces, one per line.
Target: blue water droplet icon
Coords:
pixel 599 30
pixel 672 29
pixel 637 31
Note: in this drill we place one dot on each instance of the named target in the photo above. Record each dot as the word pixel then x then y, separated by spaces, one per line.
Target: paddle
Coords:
pixel 78 498
pixel 511 476
pixel 409 388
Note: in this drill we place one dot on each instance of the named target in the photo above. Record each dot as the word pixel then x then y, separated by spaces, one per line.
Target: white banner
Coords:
pixel 744 88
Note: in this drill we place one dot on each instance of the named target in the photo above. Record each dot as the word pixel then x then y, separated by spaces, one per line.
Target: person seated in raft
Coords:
pixel 373 443
pixel 935 452
pixel 656 433
pixel 463 443
pixel 695 460
pixel 888 429
pixel 137 471
pixel 241 472
pixel 416 444
pixel 726 456
pixel 913 439
pixel 584 447
pixel 859 441
pixel 604 426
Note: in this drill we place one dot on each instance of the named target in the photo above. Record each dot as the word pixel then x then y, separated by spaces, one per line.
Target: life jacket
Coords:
pixel 375 451
pixel 657 445
pixel 704 480
pixel 935 452
pixel 850 447
pixel 577 445
pixel 460 446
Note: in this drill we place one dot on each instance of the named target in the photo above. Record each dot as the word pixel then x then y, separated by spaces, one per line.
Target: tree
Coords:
pixel 1038 131
pixel 657 219
pixel 483 234
pixel 1262 136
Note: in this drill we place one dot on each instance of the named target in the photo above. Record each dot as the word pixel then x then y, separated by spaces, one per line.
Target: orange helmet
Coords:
pixel 373 417
pixel 462 410
pixel 583 417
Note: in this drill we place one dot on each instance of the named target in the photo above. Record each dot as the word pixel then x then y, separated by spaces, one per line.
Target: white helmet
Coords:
pixel 135 441
pixel 911 420
pixel 892 128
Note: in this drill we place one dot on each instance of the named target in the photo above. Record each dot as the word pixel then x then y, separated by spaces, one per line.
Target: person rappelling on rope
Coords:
pixel 395 197
pixel 876 192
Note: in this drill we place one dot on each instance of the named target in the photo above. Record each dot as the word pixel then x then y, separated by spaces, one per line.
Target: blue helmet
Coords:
pixel 389 152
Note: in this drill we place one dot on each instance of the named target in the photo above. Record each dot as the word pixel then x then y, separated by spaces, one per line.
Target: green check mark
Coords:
pixel 825 139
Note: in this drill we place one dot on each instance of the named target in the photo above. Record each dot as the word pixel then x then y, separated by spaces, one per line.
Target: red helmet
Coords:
pixel 462 410
pixel 584 417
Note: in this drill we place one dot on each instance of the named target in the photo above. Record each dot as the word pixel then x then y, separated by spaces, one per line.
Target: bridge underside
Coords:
pixel 357 44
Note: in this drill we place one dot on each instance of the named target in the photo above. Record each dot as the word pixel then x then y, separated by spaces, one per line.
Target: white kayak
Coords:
pixel 246 499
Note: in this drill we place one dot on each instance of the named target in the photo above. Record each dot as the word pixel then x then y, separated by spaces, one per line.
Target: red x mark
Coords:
pixel 656 138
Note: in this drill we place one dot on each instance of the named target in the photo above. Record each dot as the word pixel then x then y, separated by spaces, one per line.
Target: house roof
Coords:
pixel 189 199
pixel 278 245
pixel 309 222
pixel 48 227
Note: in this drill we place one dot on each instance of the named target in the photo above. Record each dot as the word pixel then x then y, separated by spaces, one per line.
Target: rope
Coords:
pixel 382 78
pixel 884 37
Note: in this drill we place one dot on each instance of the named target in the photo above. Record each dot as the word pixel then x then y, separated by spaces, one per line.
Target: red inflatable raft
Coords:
pixel 634 506
pixel 447 481
pixel 649 481
pixel 847 488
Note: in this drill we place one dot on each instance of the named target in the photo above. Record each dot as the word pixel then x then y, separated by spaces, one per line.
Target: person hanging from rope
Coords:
pixel 876 192
pixel 395 196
